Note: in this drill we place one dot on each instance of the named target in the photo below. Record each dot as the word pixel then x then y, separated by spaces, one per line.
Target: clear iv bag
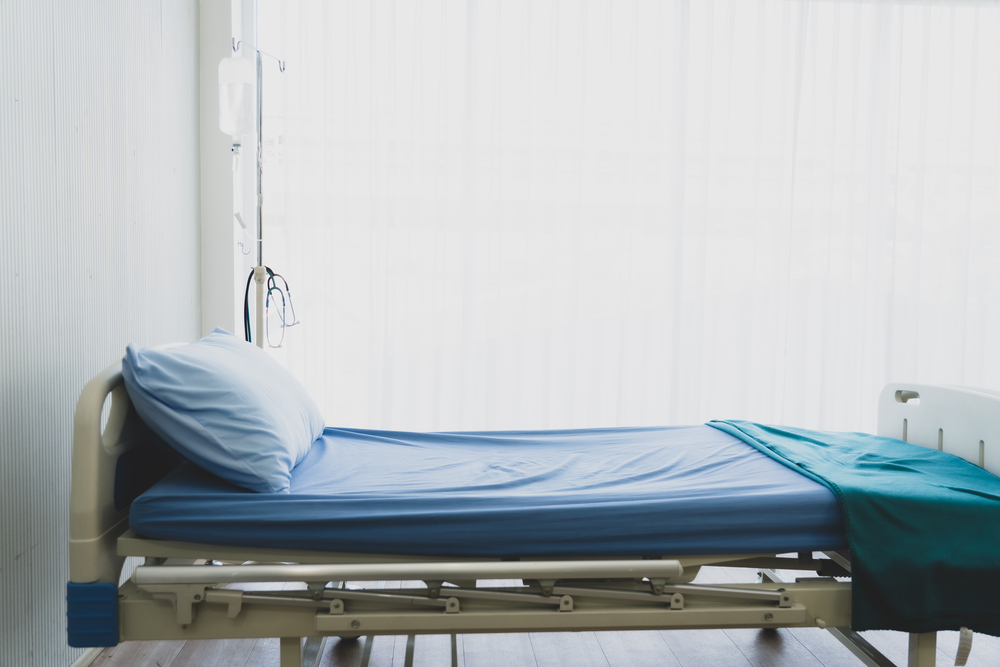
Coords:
pixel 237 98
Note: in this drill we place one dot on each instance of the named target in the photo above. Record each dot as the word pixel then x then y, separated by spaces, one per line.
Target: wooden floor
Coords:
pixel 798 647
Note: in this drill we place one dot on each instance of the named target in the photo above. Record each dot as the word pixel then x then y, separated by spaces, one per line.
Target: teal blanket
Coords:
pixel 923 526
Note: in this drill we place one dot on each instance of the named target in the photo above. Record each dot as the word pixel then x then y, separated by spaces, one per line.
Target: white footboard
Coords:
pixel 963 421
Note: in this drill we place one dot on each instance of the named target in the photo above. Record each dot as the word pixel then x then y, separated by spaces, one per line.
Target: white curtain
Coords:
pixel 501 214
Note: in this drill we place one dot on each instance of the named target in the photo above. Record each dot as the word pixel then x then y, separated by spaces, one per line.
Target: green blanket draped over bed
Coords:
pixel 923 526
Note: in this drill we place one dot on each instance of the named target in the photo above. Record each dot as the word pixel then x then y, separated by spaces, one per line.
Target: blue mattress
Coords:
pixel 619 491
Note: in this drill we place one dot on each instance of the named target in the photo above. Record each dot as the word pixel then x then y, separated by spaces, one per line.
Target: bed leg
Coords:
pixel 923 649
pixel 291 652
pixel 298 653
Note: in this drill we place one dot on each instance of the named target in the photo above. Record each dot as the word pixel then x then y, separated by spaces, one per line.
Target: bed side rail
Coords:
pixel 95 521
pixel 964 421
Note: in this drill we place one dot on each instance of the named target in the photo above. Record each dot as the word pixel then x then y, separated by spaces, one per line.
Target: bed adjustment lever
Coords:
pixel 434 587
pixel 183 596
pixel 450 605
pixel 232 599
pixel 561 600
pixel 316 589
pixel 656 585
pixel 546 585
pixel 785 601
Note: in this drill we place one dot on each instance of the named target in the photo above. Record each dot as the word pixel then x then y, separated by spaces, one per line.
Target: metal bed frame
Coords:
pixel 172 595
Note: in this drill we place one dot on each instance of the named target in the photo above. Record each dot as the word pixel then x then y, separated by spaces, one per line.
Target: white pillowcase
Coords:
pixel 227 406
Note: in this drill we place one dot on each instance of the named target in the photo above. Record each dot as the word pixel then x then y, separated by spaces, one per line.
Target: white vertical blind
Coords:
pixel 534 213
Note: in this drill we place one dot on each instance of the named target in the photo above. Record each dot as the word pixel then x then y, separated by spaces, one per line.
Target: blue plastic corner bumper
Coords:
pixel 92 614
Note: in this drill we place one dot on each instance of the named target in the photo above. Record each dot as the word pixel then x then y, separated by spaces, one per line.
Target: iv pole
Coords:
pixel 259 273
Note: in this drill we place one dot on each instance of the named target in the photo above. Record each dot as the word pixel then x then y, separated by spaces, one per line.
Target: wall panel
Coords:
pixel 99 247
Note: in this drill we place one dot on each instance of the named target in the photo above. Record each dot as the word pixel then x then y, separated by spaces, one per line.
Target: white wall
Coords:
pixel 99 247
pixel 219 228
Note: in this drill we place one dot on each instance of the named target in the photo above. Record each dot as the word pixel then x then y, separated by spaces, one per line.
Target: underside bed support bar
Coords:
pixel 581 569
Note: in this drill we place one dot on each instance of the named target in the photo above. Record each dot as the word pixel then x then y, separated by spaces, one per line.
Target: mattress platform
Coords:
pixel 618 491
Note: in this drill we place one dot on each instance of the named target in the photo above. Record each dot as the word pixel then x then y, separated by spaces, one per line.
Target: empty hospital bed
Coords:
pixel 605 528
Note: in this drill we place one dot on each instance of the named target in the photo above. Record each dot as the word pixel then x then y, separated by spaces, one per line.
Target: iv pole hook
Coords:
pixel 238 43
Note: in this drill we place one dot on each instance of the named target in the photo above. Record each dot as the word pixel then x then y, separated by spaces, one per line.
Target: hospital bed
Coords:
pixel 174 595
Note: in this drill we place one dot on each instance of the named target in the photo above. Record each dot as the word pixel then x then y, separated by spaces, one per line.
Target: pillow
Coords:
pixel 227 406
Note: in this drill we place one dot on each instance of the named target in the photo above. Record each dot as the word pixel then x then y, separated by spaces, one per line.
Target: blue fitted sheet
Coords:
pixel 618 491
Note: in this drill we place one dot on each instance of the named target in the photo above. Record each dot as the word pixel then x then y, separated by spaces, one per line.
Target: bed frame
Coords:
pixel 172 595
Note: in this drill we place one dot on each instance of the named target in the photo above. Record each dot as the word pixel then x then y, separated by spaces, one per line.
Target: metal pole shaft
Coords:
pixel 259 277
pixel 260 155
pixel 258 272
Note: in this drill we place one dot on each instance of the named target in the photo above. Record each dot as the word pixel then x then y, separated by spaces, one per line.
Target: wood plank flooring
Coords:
pixel 795 647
